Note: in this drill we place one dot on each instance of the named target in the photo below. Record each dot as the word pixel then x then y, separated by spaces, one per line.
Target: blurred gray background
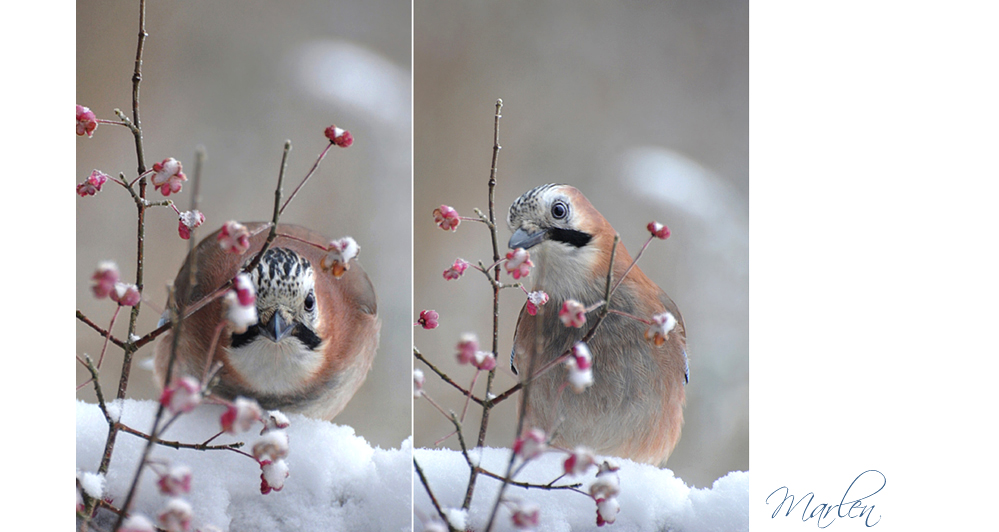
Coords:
pixel 641 105
pixel 239 78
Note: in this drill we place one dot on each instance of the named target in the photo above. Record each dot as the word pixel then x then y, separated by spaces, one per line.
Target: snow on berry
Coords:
pixel 168 176
pixel 86 121
pixel 660 328
pixel 104 279
pixel 658 230
pixel 272 475
pixel 125 294
pixel 531 444
pixel 572 313
pixel 580 364
pixel 535 300
pixel 518 263
pixel 468 345
pixel 338 136
pixel 188 221
pixel 183 396
pixel 339 254
pixel 240 415
pixel 234 237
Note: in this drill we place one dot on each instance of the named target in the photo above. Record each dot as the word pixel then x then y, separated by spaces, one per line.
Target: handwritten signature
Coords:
pixel 823 512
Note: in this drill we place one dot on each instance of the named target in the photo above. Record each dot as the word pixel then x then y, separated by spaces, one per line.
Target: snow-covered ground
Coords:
pixel 651 499
pixel 337 480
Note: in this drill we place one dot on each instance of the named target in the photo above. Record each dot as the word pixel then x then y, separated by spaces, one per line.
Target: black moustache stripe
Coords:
pixel 307 337
pixel 304 335
pixel 245 338
pixel 569 236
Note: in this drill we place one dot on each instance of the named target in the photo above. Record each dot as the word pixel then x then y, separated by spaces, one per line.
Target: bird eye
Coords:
pixel 560 210
pixel 310 302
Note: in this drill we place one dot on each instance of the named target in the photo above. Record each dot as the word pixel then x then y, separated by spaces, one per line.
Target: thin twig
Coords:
pixel 136 80
pixel 139 201
pixel 104 348
pixel 221 290
pixel 632 316
pixel 302 240
pixel 482 217
pixel 107 334
pixel 609 292
pixel 471 386
pixel 97 388
pixel 111 122
pixel 210 440
pixel 129 348
pixel 178 445
pixel 630 267
pixel 461 440
pixel 307 176
pixel 604 311
pixel 419 356
pixel 430 493
pixel 108 506
pixel 533 374
pixel 177 318
pixel 210 354
pixel 512 390
pixel 200 154
pixel 433 403
pixel 487 406
pixel 527 485
pixel 277 211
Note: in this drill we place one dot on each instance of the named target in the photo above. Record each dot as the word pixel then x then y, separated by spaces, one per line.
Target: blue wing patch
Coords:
pixel 164 318
pixel 686 368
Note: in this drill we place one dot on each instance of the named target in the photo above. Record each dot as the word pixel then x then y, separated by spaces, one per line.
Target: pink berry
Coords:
pixel 658 230
pixel 338 136
pixel 86 121
pixel 446 218
pixel 428 319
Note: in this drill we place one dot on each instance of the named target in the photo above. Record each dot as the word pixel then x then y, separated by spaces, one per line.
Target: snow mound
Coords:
pixel 651 499
pixel 337 480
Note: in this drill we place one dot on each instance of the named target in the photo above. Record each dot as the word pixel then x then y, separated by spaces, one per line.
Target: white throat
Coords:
pixel 557 267
pixel 276 368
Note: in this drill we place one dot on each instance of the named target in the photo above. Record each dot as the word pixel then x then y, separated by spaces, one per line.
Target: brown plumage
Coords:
pixel 327 341
pixel 634 409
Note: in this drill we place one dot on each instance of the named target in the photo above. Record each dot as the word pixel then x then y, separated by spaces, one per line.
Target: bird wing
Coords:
pixel 349 316
pixel 519 336
pixel 677 341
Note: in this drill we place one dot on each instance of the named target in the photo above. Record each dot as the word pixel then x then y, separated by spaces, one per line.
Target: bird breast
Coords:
pixel 276 368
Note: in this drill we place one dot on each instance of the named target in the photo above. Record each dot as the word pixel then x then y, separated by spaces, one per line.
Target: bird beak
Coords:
pixel 277 328
pixel 523 239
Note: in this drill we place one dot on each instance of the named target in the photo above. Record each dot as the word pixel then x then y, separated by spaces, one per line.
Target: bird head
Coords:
pixel 551 213
pixel 570 239
pixel 287 308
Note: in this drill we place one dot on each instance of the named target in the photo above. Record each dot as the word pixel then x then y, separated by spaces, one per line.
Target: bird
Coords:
pixel 634 408
pixel 316 334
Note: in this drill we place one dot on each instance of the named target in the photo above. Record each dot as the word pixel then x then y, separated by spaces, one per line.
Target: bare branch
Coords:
pixel 496 291
pixel 430 493
pixel 178 445
pixel 419 356
pixel 527 485
pixel 102 332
